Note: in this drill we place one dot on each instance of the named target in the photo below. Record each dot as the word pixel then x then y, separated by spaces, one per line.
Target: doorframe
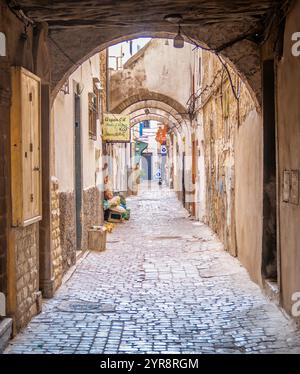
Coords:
pixel 151 165
pixel 270 171
pixel 194 173
pixel 183 179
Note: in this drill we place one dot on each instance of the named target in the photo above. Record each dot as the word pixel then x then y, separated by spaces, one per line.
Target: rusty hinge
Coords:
pixel 31 147
pixel 30 96
pixel 31 197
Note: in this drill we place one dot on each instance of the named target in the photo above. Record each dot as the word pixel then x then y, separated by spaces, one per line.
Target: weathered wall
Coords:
pixel 64 124
pixel 248 194
pixel 19 259
pixel 55 234
pixel 288 128
pixel 233 158
pixel 4 180
pixel 64 153
pixel 201 177
pixel 92 212
pixel 219 123
pixel 152 69
pixel 27 277
pixel 67 229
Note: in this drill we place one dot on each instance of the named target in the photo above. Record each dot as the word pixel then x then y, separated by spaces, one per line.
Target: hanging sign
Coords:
pixel 158 174
pixel 161 135
pixel 116 128
pixel 163 150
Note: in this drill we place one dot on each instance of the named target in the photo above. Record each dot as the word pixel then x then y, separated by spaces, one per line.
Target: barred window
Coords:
pixel 93 113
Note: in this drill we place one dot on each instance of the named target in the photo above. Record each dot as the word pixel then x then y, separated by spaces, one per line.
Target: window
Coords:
pixel 94 108
pixel 200 72
pixel 92 116
pixel 146 124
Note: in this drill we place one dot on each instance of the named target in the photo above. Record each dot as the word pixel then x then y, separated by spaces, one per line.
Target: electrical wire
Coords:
pixel 18 12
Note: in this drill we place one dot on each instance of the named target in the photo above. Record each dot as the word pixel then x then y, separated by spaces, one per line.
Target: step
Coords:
pixel 5 332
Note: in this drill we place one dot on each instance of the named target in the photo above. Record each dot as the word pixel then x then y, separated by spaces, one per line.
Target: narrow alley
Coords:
pixel 149 177
pixel 164 285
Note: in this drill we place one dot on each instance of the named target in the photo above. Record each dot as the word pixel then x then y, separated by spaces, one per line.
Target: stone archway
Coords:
pixel 144 96
pixel 244 57
pixel 89 27
pixel 155 108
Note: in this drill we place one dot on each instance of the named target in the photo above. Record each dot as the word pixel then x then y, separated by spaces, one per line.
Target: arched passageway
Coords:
pixel 77 35
pixel 229 135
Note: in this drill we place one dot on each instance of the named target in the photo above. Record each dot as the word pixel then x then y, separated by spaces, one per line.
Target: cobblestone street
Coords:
pixel 164 285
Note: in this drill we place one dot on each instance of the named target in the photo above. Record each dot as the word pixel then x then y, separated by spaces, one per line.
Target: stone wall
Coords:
pixel 57 260
pixel 92 212
pixel 233 163
pixel 67 228
pixel 27 276
pixel 103 79
pixel 219 124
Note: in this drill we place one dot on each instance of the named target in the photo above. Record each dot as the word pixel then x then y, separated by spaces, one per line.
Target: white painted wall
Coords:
pixel 63 122
pixel 158 68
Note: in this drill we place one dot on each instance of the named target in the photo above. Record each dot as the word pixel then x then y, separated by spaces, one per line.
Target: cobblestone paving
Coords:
pixel 164 285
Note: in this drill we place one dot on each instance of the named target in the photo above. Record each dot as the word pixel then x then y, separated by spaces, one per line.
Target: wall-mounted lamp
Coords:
pixel 2 45
pixel 176 19
pixel 178 40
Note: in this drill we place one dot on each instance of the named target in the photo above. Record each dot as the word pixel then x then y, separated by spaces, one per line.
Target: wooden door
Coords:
pixel 25 148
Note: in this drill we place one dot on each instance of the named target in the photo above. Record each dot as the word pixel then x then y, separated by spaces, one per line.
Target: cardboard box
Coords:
pixel 97 238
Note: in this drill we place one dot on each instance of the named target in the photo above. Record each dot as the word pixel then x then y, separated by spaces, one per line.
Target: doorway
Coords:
pixel 147 166
pixel 269 247
pixel 183 179
pixel 194 173
pixel 78 171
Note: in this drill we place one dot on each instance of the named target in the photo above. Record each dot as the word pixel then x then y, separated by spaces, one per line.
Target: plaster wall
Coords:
pixel 153 69
pixel 288 135
pixel 234 162
pixel 63 114
pixel 248 194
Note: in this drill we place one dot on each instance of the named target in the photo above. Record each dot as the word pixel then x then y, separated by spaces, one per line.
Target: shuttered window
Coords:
pixel 93 109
